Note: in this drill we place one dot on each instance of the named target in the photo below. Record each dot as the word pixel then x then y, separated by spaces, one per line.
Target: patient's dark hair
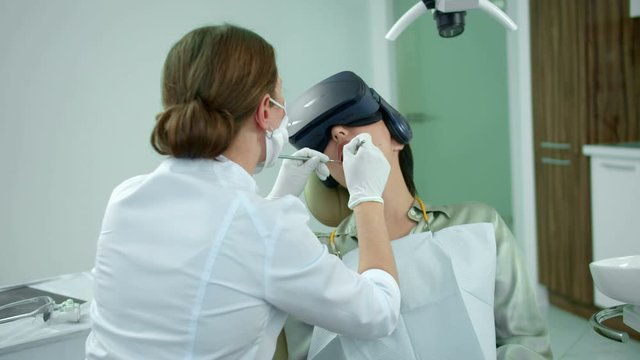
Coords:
pixel 406 166
pixel 405 158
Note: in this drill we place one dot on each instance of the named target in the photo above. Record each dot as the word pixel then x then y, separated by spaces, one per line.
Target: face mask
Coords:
pixel 274 140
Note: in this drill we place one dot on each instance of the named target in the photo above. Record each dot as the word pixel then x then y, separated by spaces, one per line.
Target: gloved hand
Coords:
pixel 294 173
pixel 366 170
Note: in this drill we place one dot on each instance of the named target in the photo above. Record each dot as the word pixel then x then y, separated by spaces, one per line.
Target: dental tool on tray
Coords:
pixel 42 305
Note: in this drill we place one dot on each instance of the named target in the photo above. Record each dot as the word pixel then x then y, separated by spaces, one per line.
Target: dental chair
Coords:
pixel 328 205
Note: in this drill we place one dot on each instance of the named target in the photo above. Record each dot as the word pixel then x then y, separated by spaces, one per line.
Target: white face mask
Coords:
pixel 275 140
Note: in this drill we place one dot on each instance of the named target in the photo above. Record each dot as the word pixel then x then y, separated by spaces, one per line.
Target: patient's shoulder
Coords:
pixel 464 213
pixel 347 225
pixel 462 209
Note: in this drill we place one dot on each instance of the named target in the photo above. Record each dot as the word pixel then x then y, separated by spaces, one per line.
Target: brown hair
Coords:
pixel 213 79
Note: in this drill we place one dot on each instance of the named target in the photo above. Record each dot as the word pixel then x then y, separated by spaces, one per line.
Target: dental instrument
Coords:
pixel 42 305
pixel 303 158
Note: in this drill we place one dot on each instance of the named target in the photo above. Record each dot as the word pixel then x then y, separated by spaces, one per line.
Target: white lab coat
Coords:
pixel 193 264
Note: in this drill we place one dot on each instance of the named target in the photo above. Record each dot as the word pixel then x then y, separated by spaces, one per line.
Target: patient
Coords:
pixel 465 289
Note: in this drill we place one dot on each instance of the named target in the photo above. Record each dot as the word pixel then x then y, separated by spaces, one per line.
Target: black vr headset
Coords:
pixel 341 99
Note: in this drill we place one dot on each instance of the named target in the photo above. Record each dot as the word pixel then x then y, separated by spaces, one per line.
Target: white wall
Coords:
pixel 80 88
pixel 521 134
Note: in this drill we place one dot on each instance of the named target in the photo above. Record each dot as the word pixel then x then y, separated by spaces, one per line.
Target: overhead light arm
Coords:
pixel 449 16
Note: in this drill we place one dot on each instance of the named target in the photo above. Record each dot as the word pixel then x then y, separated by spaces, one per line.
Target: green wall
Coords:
pixel 454 92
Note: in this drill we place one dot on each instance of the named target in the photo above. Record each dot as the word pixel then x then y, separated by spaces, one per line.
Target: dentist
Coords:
pixel 192 263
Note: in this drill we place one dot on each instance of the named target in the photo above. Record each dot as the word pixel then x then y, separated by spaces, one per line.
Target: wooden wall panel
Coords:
pixel 558 61
pixel 613 66
pixel 560 116
pixel 585 58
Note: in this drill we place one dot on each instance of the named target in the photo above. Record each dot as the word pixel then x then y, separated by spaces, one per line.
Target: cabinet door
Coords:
pixel 559 89
pixel 559 84
pixel 564 236
pixel 616 207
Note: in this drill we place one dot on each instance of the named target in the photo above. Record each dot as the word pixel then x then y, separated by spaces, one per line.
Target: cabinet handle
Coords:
pixel 555 145
pixel 552 161
pixel 619 167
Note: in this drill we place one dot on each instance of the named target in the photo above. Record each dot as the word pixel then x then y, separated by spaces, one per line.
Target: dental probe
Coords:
pixel 303 158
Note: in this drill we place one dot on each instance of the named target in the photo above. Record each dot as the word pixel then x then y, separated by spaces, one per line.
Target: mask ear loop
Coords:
pixel 269 133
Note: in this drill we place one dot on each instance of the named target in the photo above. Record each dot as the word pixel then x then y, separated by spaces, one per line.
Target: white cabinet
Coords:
pixel 615 203
pixel 69 346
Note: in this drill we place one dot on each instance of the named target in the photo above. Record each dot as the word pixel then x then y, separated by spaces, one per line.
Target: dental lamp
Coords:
pixel 449 16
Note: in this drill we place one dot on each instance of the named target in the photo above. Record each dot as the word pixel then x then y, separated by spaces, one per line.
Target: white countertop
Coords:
pixel 26 333
pixel 629 150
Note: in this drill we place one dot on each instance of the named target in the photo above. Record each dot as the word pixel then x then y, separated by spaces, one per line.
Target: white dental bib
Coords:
pixel 447 284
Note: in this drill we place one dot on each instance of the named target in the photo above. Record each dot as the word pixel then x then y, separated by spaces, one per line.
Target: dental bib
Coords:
pixel 447 281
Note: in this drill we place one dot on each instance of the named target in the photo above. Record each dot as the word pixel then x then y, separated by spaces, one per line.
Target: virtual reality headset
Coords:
pixel 341 99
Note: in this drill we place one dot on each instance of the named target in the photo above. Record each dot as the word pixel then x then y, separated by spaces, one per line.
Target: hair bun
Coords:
pixel 205 130
pixel 222 114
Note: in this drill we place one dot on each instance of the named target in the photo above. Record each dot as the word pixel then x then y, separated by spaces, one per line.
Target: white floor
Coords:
pixel 572 338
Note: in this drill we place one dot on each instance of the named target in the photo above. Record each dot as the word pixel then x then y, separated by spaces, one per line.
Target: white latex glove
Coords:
pixel 366 170
pixel 294 173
